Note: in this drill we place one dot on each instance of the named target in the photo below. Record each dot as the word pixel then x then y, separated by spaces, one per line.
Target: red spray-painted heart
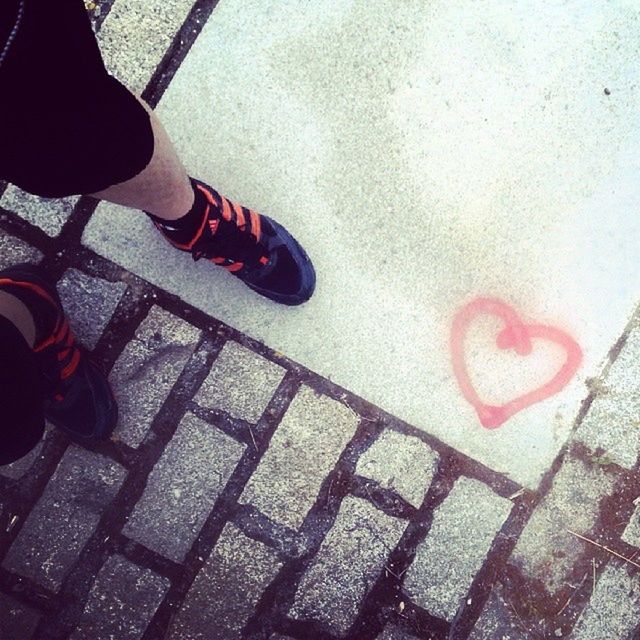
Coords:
pixel 515 335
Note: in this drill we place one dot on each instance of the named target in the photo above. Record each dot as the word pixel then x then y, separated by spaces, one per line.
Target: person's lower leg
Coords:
pixel 163 187
pixel 195 218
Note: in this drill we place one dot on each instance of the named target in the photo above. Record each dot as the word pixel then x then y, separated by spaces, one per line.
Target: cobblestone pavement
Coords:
pixel 243 496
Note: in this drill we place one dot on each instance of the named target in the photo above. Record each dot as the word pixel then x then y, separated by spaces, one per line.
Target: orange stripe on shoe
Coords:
pixel 209 196
pixel 212 201
pixel 236 266
pixel 189 245
pixel 255 224
pixel 53 338
pixel 71 367
pixel 226 209
pixel 240 220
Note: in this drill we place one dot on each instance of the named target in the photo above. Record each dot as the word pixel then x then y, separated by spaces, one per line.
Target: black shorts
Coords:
pixel 67 127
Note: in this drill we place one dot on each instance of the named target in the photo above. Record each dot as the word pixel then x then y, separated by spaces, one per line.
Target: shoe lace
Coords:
pixel 63 358
pixel 232 238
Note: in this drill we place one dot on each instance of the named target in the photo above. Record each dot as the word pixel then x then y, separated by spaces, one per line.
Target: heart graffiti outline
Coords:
pixel 515 335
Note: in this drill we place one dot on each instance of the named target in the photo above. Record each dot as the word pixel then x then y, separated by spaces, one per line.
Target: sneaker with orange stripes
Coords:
pixel 252 247
pixel 78 398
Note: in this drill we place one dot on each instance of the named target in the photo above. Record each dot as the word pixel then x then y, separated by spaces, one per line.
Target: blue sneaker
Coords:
pixel 252 247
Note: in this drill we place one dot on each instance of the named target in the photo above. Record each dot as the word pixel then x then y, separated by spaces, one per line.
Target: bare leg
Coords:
pixel 16 312
pixel 162 187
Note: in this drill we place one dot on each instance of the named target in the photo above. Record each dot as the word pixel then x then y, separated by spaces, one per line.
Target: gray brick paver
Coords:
pixel 498 620
pixel 147 369
pixel 225 592
pixel 612 423
pixel 614 609
pixel 352 556
pixel 463 528
pixel 392 632
pixel 183 487
pixel 14 251
pixel 240 383
pixel 304 449
pixel 89 303
pixel 546 550
pixel 402 463
pixel 64 518
pixel 631 534
pixel 135 36
pixel 46 213
pixel 121 603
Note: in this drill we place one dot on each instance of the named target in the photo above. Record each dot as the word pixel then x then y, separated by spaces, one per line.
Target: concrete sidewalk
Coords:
pixel 317 472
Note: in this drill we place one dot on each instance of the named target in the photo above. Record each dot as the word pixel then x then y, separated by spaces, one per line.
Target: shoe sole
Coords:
pixel 32 273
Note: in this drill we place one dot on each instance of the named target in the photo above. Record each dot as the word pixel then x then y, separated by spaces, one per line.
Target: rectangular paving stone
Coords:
pixel 546 550
pixel 121 603
pixel 613 420
pixel 135 36
pixel 17 620
pixel 463 528
pixel 498 621
pixel 49 214
pixel 183 487
pixel 240 383
pixel 402 463
pixel 303 450
pixel 614 608
pixel 352 556
pixel 65 516
pixel 89 303
pixel 226 590
pixel 14 251
pixel 147 369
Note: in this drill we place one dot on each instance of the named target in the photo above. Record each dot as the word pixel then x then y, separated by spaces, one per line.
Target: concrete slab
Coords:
pixel 425 156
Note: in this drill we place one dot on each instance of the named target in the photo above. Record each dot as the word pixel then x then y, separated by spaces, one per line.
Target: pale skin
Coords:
pixel 161 188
